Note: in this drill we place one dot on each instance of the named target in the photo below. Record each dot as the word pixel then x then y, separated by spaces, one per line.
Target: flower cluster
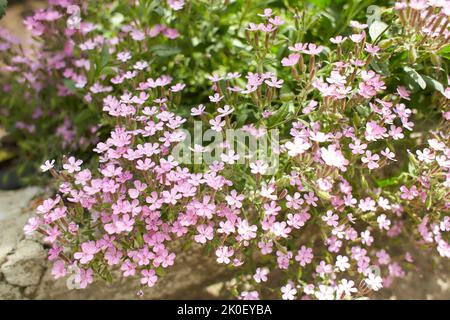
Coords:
pixel 323 226
pixel 430 19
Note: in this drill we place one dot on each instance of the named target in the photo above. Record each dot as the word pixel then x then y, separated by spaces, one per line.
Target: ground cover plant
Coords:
pixel 341 178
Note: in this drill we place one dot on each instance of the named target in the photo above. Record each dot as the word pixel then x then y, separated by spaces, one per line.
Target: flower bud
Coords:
pixel 287 96
pixel 435 59
pixel 412 56
pixel 384 44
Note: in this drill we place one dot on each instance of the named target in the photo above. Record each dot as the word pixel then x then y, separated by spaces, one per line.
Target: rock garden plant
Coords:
pixel 340 181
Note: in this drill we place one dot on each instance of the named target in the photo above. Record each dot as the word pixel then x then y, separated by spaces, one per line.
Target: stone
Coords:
pixel 30 292
pixel 13 218
pixel 191 273
pixel 26 265
pixel 8 292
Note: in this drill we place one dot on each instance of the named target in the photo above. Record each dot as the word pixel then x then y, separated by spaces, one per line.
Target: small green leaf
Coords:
pixel 70 84
pixel 387 182
pixel 164 50
pixel 376 29
pixel 279 116
pixel 3 4
pixel 105 56
pixel 320 3
pixel 415 77
pixel 436 85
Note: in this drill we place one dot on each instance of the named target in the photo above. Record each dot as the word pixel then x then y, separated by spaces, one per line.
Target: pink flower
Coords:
pixel 215 98
pixel 288 291
pixel 324 268
pixel 32 225
pixel 447 93
pixel 280 229
pixel 313 49
pixel 223 254
pixel 266 14
pixel 338 39
pixel 367 204
pixel 84 278
pixel 357 38
pixel 72 165
pixel 291 60
pixel 124 56
pixel 304 256
pixel 59 269
pixel 246 231
pixel 230 157
pixel 128 268
pixel 266 247
pixel 371 160
pixel 234 199
pixel 357 147
pixel 176 4
pixel 408 194
pixel 217 124
pixel 331 219
pixel 403 92
pixel 89 249
pixel 374 131
pixel 274 82
pixel 205 233
pixel 298 147
pixel 198 111
pixel 261 275
pixel 311 199
pixel 334 157
pixel 357 25
pixel 149 277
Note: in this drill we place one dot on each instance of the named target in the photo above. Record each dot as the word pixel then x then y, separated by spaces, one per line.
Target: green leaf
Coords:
pixel 105 56
pixel 320 3
pixel 376 29
pixel 3 4
pixel 436 85
pixel 387 182
pixel 164 50
pixel 279 116
pixel 415 77
pixel 70 84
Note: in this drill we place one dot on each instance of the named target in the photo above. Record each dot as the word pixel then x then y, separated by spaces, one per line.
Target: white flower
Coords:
pixel 288 291
pixel 229 157
pixel 342 263
pixel 346 287
pixel 47 165
pixel 259 167
pixel 333 157
pixel 297 147
pixel 374 282
pixel 325 293
pixel 383 222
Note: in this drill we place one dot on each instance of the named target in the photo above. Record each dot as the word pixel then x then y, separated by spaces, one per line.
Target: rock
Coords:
pixel 30 292
pixel 12 218
pixel 8 292
pixel 26 265
pixel 192 272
